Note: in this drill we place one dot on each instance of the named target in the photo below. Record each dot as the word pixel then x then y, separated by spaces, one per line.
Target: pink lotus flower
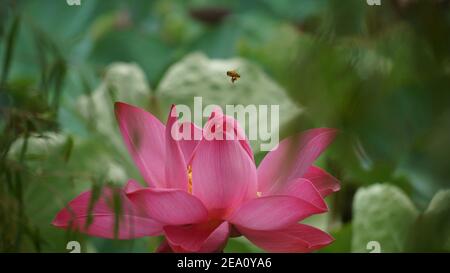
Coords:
pixel 201 192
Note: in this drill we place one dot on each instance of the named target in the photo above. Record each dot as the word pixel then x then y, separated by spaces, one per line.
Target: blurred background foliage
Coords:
pixel 381 74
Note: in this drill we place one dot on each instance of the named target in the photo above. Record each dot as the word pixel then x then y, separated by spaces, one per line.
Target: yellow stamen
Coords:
pixel 258 193
pixel 190 179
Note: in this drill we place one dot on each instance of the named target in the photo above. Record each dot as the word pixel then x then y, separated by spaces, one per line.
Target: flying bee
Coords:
pixel 233 75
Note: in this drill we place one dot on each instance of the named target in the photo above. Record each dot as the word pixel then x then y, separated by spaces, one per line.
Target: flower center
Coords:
pixel 189 179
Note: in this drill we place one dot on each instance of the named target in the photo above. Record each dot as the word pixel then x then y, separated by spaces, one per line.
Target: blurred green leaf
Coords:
pixel 382 213
pixel 342 240
pixel 431 231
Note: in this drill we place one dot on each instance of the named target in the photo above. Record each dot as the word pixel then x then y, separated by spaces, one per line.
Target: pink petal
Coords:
pixel 131 223
pixel 176 168
pixel 217 240
pixel 303 189
pixel 222 173
pixel 165 247
pixel 323 181
pixel 226 126
pixel 296 238
pixel 143 135
pixel 230 126
pixel 273 212
pixel 189 144
pixel 219 123
pixel 197 238
pixel 131 186
pixel 293 157
pixel 177 249
pixel 170 206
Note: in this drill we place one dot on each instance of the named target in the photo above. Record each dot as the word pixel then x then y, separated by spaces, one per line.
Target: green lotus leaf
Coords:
pixel 382 214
